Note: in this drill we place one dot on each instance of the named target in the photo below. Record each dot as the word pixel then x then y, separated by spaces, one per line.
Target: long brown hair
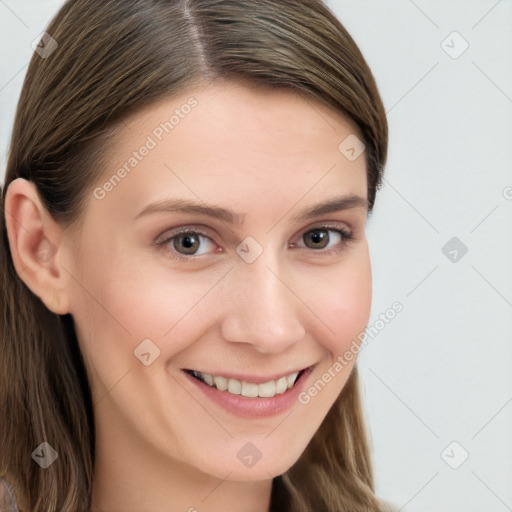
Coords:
pixel 114 57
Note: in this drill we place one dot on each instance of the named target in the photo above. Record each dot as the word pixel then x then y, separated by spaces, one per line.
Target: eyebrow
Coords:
pixel 332 205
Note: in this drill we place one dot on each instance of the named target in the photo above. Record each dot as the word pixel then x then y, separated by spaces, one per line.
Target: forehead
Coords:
pixel 230 144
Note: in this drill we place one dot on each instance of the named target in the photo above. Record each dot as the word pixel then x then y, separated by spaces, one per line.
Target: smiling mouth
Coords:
pixel 248 389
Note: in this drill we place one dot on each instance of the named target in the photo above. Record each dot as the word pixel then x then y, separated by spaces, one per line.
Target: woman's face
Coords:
pixel 256 288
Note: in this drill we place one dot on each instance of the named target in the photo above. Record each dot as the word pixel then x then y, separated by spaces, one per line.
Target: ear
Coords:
pixel 35 242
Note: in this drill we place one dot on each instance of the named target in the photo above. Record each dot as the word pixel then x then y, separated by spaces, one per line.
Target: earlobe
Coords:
pixel 34 239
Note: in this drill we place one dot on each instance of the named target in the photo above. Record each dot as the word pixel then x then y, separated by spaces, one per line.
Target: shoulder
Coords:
pixel 7 498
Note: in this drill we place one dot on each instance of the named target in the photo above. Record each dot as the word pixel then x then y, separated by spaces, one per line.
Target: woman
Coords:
pixel 181 175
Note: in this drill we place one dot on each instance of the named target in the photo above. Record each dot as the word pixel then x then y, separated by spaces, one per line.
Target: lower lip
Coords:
pixel 257 407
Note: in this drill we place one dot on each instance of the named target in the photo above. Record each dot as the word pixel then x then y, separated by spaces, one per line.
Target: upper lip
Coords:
pixel 257 379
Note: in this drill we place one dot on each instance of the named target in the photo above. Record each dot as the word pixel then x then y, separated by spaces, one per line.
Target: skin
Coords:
pixel 161 443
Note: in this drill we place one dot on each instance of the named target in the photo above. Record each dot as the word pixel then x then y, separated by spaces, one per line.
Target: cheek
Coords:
pixel 344 309
pixel 343 304
pixel 125 301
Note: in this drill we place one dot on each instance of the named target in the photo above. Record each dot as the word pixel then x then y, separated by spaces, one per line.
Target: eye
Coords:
pixel 189 243
pixel 186 243
pixel 325 237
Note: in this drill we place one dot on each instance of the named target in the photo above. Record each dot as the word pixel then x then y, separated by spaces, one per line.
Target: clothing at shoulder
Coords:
pixel 8 501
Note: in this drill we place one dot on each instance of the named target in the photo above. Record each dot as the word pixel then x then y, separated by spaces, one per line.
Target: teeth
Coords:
pixel 234 386
pixel 249 389
pixel 221 383
pixel 267 390
pixel 281 385
pixel 208 379
pixel 290 380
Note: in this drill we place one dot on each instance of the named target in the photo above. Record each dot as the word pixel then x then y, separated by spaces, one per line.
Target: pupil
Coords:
pixel 318 236
pixel 189 243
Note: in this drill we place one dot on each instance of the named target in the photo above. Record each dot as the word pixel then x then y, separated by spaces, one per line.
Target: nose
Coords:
pixel 263 309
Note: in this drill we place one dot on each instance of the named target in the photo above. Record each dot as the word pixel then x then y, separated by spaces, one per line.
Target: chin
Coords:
pixel 251 464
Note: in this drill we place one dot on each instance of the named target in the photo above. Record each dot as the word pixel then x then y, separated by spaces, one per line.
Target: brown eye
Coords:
pixel 325 239
pixel 317 238
pixel 186 243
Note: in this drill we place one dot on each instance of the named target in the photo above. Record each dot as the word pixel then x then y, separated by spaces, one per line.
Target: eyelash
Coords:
pixel 346 236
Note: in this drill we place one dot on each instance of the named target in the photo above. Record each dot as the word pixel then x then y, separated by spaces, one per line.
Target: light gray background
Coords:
pixel 440 371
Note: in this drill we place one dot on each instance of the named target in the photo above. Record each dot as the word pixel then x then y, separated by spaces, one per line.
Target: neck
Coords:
pixel 130 477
